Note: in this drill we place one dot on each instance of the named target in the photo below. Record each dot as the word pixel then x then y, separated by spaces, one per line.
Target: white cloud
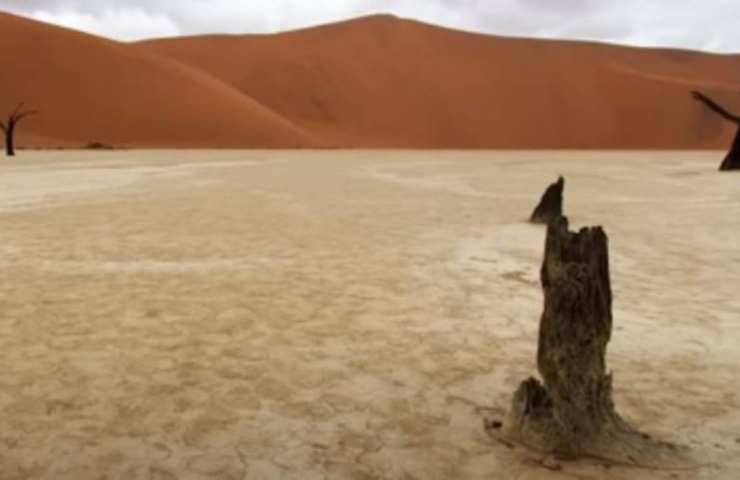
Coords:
pixel 699 24
pixel 121 24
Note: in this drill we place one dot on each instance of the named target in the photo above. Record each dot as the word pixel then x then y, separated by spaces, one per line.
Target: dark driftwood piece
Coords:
pixel 551 203
pixel 732 159
pixel 572 414
pixel 9 127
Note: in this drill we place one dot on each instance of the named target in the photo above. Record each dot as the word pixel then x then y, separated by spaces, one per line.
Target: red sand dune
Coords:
pixel 372 82
pixel 91 89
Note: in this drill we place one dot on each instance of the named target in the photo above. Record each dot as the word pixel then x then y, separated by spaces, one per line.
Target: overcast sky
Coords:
pixel 697 24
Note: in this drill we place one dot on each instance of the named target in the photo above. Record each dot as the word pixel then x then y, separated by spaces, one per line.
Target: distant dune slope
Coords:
pixel 382 81
pixel 372 82
pixel 92 89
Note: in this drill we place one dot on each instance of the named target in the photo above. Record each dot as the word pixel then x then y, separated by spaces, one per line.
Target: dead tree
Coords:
pixel 9 127
pixel 551 203
pixel 572 414
pixel 732 160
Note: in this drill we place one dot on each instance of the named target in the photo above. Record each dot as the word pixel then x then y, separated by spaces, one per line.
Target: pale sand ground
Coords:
pixel 259 315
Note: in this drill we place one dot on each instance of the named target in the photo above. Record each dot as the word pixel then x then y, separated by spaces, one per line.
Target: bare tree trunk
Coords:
pixel 9 127
pixel 551 203
pixel 573 414
pixel 732 160
pixel 10 140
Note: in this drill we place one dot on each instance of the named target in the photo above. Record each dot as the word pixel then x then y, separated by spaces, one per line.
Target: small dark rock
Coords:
pixel 98 146
pixel 491 424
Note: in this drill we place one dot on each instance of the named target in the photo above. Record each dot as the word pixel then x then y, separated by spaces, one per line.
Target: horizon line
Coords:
pixel 380 15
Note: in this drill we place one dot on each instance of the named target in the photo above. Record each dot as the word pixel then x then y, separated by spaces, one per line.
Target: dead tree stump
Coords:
pixel 572 414
pixel 551 203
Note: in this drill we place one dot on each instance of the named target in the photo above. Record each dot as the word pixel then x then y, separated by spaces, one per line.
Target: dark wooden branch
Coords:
pixel 732 159
pixel 17 109
pixel 714 106
pixel 20 116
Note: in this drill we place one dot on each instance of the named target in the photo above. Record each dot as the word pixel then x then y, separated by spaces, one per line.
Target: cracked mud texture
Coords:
pixel 344 315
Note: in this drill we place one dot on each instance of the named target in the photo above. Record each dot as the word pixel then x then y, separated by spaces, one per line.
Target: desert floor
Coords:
pixel 343 315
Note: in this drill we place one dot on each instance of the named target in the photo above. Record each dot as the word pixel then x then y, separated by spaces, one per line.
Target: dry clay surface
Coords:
pixel 293 315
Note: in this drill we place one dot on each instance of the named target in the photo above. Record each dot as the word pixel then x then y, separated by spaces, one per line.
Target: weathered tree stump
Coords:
pixel 572 414
pixel 551 203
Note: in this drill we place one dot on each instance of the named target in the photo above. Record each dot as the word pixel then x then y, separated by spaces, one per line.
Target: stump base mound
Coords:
pixel 531 423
